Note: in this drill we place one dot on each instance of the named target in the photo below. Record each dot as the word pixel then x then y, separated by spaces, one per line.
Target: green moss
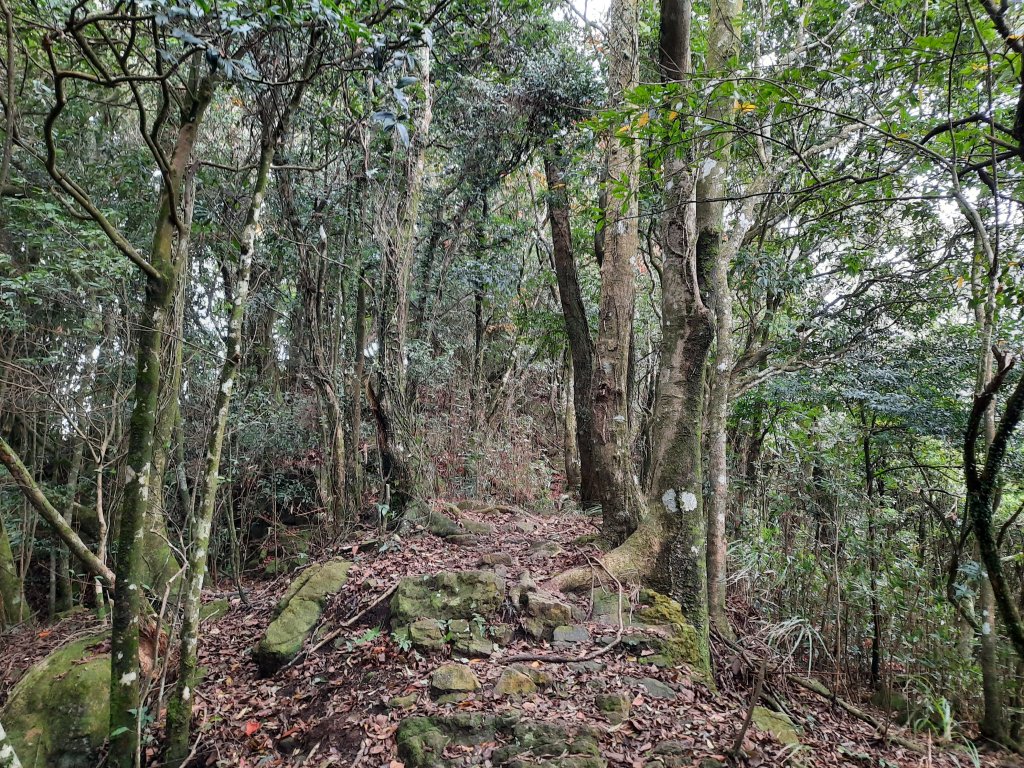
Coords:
pixel 776 724
pixel 58 715
pixel 683 646
pixel 421 743
pixel 286 634
pixel 446 596
pixel 214 610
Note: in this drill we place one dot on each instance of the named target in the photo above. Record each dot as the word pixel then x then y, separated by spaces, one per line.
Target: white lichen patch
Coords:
pixel 128 678
pixel 688 500
pixel 668 498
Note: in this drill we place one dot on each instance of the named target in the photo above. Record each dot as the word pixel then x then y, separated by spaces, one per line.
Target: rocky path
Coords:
pixel 440 649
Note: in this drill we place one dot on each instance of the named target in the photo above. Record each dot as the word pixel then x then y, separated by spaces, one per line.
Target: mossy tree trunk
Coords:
pixel 12 600
pixel 161 286
pixel 614 484
pixel 668 548
pixel 179 711
pixel 8 757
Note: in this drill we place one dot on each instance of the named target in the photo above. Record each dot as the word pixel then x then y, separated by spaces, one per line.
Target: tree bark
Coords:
pixel 668 549
pixel 126 672
pixel 388 400
pixel 723 47
pixel 577 328
pixel 12 601
pixel 615 486
pixel 8 757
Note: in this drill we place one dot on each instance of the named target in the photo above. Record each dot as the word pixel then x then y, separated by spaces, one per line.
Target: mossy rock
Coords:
pixel 453 678
pixel 426 635
pixel 58 715
pixel 777 724
pixel 514 682
pixel 421 740
pixel 683 643
pixel 542 612
pixel 213 610
pixel 614 706
pixel 447 595
pixel 298 613
pixel 549 740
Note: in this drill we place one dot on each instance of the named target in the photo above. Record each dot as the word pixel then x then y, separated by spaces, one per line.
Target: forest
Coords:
pixel 510 383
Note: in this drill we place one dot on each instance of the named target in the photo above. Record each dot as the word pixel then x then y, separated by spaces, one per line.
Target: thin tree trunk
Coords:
pixel 577 328
pixel 723 47
pixel 570 450
pixel 13 607
pixel 53 518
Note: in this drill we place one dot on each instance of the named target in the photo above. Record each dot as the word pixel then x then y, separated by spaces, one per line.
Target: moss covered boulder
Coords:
pixel 422 740
pixel 58 715
pixel 298 613
pixel 447 595
pixel 682 643
pixel 777 725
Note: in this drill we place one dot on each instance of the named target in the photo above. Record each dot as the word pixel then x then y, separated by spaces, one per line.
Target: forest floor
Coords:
pixel 332 706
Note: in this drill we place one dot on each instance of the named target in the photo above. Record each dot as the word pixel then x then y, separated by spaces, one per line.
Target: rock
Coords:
pixel 606 607
pixel 542 612
pixel 473 646
pixel 496 558
pixel 59 713
pixel 777 724
pixel 524 525
pixel 682 644
pixel 464 539
pixel 545 549
pixel 534 740
pixel 671 754
pixel 447 595
pixel 468 639
pixel 514 682
pixel 482 529
pixel 426 635
pixel 586 666
pixel 654 688
pixel 453 678
pixel 402 702
pixel 502 634
pixel 614 706
pixel 421 740
pixel 298 613
pixel 214 610
pixel 570 635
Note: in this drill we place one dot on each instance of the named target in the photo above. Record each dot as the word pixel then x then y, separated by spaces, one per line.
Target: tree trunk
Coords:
pixel 668 549
pixel 388 399
pixel 577 329
pixel 615 486
pixel 12 601
pixel 723 47
pixel 53 518
pixel 125 678
pixel 8 757
pixel 570 450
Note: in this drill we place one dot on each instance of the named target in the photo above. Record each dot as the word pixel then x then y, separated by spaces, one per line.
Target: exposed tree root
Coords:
pixel 633 562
